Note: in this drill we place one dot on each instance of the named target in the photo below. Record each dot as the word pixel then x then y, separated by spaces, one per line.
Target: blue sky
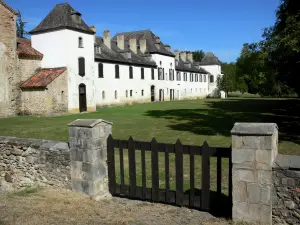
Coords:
pixel 218 26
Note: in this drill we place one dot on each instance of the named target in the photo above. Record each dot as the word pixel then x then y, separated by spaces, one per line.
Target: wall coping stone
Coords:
pixel 39 143
pixel 87 122
pixel 287 162
pixel 254 129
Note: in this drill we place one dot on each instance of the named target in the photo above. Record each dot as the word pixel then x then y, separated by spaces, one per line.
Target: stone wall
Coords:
pixel 27 67
pixel 9 82
pixel 50 100
pixel 286 192
pixel 29 161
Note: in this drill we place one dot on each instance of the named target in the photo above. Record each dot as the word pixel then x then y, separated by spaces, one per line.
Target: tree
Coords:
pixel 283 45
pixel 227 82
pixel 21 32
pixel 198 55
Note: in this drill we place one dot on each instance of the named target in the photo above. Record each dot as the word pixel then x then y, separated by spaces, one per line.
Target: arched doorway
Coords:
pixel 152 93
pixel 82 98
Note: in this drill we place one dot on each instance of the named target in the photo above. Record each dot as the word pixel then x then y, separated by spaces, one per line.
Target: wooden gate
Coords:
pixel 204 198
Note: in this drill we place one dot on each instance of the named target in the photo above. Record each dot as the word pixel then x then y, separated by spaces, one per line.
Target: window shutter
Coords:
pixel 117 75
pixel 163 76
pixel 100 70
pixel 142 73
pixel 173 76
pixel 81 65
pixel 152 73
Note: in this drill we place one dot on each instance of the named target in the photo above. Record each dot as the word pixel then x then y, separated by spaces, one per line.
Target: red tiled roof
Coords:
pixel 8 7
pixel 43 77
pixel 24 49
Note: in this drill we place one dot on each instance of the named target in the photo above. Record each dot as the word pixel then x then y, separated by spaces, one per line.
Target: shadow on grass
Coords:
pixel 220 116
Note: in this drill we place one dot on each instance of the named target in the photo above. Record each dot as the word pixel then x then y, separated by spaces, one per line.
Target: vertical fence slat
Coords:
pixel 192 178
pixel 205 192
pixel 143 171
pixel 132 170
pixel 179 172
pixel 219 176
pixel 167 174
pixel 121 167
pixel 111 165
pixel 155 174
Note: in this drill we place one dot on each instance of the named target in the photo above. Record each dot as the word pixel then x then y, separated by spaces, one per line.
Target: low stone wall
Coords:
pixel 26 162
pixel 286 192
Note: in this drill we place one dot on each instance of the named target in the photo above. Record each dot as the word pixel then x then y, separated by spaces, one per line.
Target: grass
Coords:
pixel 27 191
pixel 192 121
pixel 60 206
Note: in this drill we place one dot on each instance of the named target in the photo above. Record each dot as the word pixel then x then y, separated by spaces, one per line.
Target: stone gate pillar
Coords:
pixel 88 149
pixel 254 149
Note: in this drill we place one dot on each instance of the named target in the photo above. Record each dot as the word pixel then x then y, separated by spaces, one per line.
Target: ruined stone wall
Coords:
pixel 9 82
pixel 27 68
pixel 286 193
pixel 52 100
pixel 26 162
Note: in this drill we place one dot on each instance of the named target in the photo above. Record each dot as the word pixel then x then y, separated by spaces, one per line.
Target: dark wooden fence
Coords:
pixel 194 198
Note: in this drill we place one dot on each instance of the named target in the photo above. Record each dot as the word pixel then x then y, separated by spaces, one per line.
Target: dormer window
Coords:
pixel 80 42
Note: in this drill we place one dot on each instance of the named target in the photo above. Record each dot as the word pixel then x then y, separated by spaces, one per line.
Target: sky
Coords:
pixel 217 26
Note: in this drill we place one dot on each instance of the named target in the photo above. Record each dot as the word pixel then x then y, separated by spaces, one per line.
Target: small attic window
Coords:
pixel 76 16
pixel 80 42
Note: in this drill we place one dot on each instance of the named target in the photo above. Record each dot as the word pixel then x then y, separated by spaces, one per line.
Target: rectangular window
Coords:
pixel 100 70
pixel 152 73
pixel 130 73
pixel 160 74
pixel 81 65
pixel 170 74
pixel 142 74
pixel 117 72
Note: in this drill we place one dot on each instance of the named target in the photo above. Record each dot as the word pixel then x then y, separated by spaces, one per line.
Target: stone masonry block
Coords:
pixel 266 214
pixel 264 157
pixel 76 170
pixel 237 141
pixel 243 156
pixel 86 144
pixel 243 175
pixel 240 211
pixel 77 185
pixel 266 195
pixel 76 154
pixel 239 193
pixel 91 156
pixel 254 193
pixel 252 142
pixel 265 177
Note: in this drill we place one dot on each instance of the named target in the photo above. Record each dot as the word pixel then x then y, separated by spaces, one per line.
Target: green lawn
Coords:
pixel 192 121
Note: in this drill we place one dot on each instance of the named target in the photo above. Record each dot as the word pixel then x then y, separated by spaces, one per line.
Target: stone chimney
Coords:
pixel 132 45
pixel 190 56
pixel 183 56
pixel 120 41
pixel 157 42
pixel 176 53
pixel 106 38
pixel 143 45
pixel 168 47
pixel 93 28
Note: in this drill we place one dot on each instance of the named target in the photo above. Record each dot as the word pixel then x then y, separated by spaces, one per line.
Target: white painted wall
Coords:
pixel 215 70
pixel 60 49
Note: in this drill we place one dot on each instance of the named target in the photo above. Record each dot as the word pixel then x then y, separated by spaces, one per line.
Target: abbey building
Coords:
pixel 65 67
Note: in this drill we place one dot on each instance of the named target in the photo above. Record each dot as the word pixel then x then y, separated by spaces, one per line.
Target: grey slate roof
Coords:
pixel 183 66
pixel 150 37
pixel 210 59
pixel 62 16
pixel 115 55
